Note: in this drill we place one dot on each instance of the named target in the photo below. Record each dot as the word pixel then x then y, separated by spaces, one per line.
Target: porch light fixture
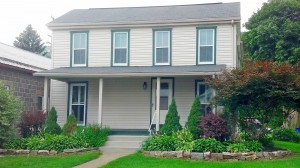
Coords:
pixel 145 85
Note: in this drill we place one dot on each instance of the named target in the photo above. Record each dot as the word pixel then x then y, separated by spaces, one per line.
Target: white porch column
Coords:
pixel 100 101
pixel 45 99
pixel 157 103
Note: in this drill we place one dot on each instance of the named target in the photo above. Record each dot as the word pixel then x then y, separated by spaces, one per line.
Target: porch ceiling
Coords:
pixel 131 71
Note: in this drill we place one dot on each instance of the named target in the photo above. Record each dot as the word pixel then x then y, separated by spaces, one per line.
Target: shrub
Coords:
pixel 31 123
pixel 194 118
pixel 51 125
pixel 159 143
pixel 208 144
pixel 253 146
pixel 71 125
pixel 213 126
pixel 286 134
pixel 237 147
pixel 172 120
pixel 18 143
pixel 183 140
pixel 9 111
pixel 266 141
pixel 92 135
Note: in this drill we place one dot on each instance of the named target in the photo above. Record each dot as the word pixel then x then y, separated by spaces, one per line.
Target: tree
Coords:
pixel 172 120
pixel 51 125
pixel 9 110
pixel 274 32
pixel 29 40
pixel 261 94
pixel 71 125
pixel 194 118
pixel 213 126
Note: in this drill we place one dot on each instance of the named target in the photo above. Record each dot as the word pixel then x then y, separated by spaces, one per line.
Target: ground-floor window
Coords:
pixel 205 94
pixel 78 101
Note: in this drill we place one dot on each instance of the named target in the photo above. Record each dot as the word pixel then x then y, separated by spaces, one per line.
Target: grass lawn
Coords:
pixel 46 161
pixel 139 161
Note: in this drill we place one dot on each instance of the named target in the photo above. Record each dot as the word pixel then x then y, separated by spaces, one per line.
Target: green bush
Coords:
pixel 18 143
pixel 253 146
pixel 208 144
pixel 9 112
pixel 159 143
pixel 93 135
pixel 71 125
pixel 237 147
pixel 266 141
pixel 172 120
pixel 286 134
pixel 51 126
pixel 194 118
pixel 183 140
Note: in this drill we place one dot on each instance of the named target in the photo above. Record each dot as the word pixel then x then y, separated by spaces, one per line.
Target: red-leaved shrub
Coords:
pixel 31 123
pixel 213 126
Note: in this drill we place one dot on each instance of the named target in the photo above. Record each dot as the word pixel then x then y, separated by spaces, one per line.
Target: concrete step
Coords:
pixel 105 149
pixel 123 144
pixel 126 138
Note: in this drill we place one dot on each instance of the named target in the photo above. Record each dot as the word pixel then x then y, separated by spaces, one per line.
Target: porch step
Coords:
pixel 123 143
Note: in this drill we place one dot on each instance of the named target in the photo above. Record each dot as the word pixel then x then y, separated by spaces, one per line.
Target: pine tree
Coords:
pixel 194 118
pixel 29 40
pixel 71 125
pixel 51 125
pixel 172 120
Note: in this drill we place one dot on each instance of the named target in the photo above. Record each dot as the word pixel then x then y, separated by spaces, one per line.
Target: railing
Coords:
pixel 149 129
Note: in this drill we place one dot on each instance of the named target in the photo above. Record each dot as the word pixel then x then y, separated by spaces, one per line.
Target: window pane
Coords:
pixel 162 39
pixel 202 93
pixel 164 96
pixel 79 113
pixel 82 94
pixel 75 94
pixel 205 93
pixel 162 55
pixel 79 56
pixel 79 40
pixel 120 55
pixel 206 54
pixel 121 40
pixel 206 37
pixel 164 103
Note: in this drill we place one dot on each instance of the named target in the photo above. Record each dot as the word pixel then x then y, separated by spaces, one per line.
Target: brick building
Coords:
pixel 16 73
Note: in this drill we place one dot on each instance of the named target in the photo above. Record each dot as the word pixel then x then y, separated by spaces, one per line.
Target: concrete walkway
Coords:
pixel 104 159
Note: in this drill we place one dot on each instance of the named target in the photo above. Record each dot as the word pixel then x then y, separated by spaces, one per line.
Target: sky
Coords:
pixel 15 15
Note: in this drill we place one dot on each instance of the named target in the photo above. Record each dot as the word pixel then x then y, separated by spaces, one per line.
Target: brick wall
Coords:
pixel 24 86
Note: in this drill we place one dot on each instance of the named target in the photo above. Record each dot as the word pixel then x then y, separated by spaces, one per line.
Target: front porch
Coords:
pixel 126 103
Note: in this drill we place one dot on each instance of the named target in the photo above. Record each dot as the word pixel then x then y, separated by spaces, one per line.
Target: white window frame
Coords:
pixel 73 49
pixel 213 49
pixel 169 47
pixel 114 47
pixel 85 102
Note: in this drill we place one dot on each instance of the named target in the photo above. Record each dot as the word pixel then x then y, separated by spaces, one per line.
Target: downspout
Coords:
pixel 233 44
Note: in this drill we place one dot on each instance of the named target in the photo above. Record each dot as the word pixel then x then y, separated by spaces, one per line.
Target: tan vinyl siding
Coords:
pixel 99 47
pixel 126 103
pixel 184 46
pixel 225 45
pixel 59 100
pixel 61 48
pixel 141 47
pixel 92 108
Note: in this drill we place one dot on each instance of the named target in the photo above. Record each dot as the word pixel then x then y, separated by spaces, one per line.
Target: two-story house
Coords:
pixel 121 67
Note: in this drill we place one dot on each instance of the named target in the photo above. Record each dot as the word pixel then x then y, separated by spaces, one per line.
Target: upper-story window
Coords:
pixel 206 46
pixel 120 48
pixel 162 47
pixel 79 49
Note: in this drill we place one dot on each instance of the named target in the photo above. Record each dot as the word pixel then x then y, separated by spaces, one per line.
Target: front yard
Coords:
pixel 47 161
pixel 139 161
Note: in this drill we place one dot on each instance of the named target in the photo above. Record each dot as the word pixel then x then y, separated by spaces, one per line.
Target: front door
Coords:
pixel 166 95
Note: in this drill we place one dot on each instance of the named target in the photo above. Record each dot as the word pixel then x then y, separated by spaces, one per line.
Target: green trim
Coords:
pixel 129 132
pixel 197 42
pixel 112 46
pixel 153 45
pixel 86 100
pixel 87 47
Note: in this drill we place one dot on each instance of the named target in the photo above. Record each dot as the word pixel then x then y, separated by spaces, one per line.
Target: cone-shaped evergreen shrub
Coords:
pixel 71 125
pixel 172 120
pixel 51 125
pixel 194 118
